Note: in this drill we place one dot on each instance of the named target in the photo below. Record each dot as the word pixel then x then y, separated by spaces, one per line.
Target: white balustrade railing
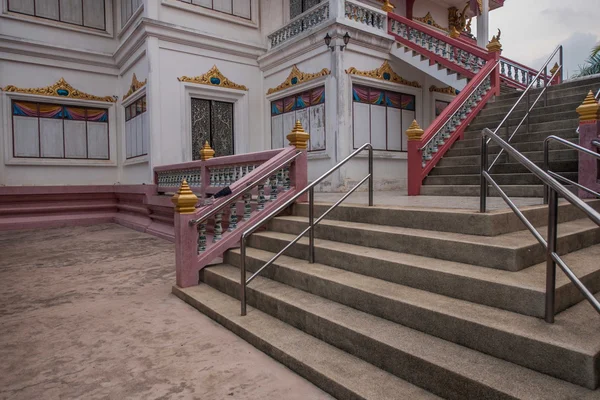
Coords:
pixel 303 22
pixel 450 126
pixel 454 54
pixel 172 178
pixel 365 15
pixel 519 74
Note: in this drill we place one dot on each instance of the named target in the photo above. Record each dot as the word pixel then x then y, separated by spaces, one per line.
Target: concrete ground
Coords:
pixel 87 313
pixel 401 199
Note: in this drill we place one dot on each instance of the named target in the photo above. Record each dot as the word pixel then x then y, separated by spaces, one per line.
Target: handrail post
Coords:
pixel 546 82
pixel 370 176
pixel 527 116
pixel 311 224
pixel 550 250
pixel 560 60
pixel 483 182
pixel 545 167
pixel 243 275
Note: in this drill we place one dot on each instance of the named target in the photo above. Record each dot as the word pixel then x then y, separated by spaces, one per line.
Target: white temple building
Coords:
pixel 98 92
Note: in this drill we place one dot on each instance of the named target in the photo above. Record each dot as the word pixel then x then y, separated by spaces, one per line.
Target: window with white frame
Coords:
pixel 239 8
pixel 297 7
pixel 87 13
pixel 128 8
pixel 381 117
pixel 47 130
pixel 308 107
pixel 136 129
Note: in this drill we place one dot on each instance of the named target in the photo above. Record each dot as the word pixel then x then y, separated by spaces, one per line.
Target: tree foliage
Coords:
pixel 592 64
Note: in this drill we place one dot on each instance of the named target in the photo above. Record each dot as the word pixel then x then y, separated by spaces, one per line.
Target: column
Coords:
pixel 483 25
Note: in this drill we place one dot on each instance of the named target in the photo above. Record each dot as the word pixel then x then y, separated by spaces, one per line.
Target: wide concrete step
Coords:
pixel 558 166
pixel 473 190
pixel 534 118
pixel 469 222
pixel 511 252
pixel 501 179
pixel 498 333
pixel 500 106
pixel 340 374
pixel 520 146
pixel 521 137
pixel 536 124
pixel 557 91
pixel 568 104
pixel 522 292
pixel 536 156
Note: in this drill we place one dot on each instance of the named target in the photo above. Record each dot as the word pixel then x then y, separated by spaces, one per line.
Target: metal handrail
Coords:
pixel 311 222
pixel 572 145
pixel 459 107
pixel 555 189
pixel 249 187
pixel 544 68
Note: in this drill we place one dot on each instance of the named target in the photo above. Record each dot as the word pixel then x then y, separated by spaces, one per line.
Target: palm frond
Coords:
pixel 591 67
pixel 595 51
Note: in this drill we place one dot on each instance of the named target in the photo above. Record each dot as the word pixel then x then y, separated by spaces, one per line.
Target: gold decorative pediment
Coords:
pixel 297 77
pixel 383 73
pixel 213 77
pixel 134 86
pixel 428 20
pixel 446 90
pixel 60 89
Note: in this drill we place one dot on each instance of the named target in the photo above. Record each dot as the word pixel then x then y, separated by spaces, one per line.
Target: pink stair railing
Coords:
pixel 519 76
pixel 205 228
pixel 480 66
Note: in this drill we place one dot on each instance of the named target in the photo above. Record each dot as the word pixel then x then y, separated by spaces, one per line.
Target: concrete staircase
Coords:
pixel 411 303
pixel 422 63
pixel 457 174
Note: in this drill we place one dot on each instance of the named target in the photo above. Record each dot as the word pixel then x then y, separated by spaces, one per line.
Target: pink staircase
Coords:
pixel 483 69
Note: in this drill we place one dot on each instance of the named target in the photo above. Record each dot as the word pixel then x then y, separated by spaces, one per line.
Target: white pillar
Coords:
pixel 483 25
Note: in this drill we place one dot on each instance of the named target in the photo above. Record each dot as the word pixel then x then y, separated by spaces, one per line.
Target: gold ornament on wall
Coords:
pixel 134 86
pixel 60 89
pixel 589 110
pixel 297 77
pixel 428 20
pixel 383 73
pixel 457 21
pixel 213 77
pixel 387 6
pixel 446 90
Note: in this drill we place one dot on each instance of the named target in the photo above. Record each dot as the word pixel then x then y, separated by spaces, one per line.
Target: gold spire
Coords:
pixel 387 6
pixel 206 153
pixel 298 137
pixel 554 69
pixel 454 33
pixel 494 45
pixel 414 131
pixel 184 200
pixel 589 110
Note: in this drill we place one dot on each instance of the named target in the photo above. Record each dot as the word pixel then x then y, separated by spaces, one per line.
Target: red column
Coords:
pixel 589 129
pixel 414 133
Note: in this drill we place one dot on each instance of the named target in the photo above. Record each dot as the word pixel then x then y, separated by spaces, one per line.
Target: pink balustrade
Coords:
pixel 259 182
pixel 519 76
pixel 474 63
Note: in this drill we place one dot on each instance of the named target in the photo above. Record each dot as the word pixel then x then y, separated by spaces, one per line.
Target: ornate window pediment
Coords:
pixel 297 77
pixel 383 73
pixel 213 77
pixel 60 89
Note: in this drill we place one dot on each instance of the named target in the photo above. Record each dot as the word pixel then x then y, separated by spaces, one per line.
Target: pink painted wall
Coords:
pixel 588 165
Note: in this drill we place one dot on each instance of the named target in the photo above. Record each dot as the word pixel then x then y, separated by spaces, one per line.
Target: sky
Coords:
pixel 532 29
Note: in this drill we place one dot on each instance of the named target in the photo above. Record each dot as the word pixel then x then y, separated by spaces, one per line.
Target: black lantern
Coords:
pixel 328 38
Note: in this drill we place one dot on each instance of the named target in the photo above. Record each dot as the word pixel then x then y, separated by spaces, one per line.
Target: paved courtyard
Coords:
pixel 86 313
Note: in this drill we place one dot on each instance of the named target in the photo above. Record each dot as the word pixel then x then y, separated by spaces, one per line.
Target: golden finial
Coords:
pixel 494 45
pixel 184 200
pixel 454 33
pixel 206 153
pixel 298 137
pixel 589 110
pixel 414 131
pixel 554 69
pixel 387 6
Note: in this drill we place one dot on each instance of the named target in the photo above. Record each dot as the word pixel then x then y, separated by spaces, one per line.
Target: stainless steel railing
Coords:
pixel 525 94
pixel 311 221
pixel 555 189
pixel 558 177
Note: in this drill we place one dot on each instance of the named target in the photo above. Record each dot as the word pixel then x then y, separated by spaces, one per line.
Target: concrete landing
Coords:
pixel 86 312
